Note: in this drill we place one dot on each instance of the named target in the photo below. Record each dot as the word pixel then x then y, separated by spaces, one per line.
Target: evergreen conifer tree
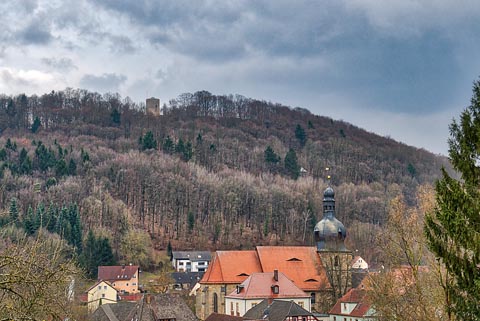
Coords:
pixel 453 229
pixel 300 135
pixel 291 164
pixel 13 211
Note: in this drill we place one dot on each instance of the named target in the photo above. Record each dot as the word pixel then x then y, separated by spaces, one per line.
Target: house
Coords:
pixel 353 306
pixel 191 261
pixel 162 307
pixel 359 263
pixel 186 280
pixel 100 293
pixel 279 310
pixel 260 286
pixel 124 278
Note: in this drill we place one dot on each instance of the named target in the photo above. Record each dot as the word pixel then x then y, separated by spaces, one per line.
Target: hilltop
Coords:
pixel 208 173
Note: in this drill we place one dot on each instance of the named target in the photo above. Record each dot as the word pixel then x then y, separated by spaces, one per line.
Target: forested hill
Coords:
pixel 211 172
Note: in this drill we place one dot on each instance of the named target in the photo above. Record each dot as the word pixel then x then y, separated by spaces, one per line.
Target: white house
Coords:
pixel 353 306
pixel 260 286
pixel 359 263
pixel 191 261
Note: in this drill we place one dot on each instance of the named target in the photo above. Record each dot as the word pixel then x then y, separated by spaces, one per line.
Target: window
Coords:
pixel 312 298
pixel 180 263
pixel 238 309
pixel 127 284
pixel 134 283
pixel 336 260
pixel 300 303
pixel 304 319
pixel 104 287
pixel 294 318
pixel 99 287
pixel 275 289
pixel 103 295
pixel 231 309
pixel 201 263
pixel 215 303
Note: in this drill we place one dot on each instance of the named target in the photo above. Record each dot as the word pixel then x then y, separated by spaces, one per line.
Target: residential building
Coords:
pixel 279 310
pixel 191 261
pixel 124 278
pixel 353 306
pixel 100 293
pixel 359 263
pixel 260 286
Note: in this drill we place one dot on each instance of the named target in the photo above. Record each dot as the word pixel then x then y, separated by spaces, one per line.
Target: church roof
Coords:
pixel 300 263
pixel 231 267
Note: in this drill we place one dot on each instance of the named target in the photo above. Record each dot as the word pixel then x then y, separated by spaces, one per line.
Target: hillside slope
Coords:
pixel 207 182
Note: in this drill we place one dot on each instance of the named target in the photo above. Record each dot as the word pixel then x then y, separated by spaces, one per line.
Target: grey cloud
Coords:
pixel 63 64
pixel 108 82
pixel 37 33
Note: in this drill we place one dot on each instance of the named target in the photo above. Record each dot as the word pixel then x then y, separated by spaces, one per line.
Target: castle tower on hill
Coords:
pixel 153 106
pixel 330 236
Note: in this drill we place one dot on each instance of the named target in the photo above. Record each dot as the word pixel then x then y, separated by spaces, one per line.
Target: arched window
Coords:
pixel 312 298
pixel 215 303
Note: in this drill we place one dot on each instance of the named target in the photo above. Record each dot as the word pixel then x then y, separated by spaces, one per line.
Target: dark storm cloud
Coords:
pixel 108 82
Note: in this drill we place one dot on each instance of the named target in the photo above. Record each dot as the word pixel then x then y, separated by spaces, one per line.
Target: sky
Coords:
pixel 398 68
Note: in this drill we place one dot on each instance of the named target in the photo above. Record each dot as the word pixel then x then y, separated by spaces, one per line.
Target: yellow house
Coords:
pixel 100 293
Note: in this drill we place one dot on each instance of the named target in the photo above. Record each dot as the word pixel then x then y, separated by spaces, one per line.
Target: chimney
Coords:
pixel 275 275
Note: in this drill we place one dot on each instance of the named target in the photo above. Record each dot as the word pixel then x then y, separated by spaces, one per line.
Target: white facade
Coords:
pixel 238 307
pixel 359 263
pixel 193 261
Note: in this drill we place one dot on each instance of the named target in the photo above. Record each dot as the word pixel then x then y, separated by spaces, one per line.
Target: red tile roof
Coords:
pixel 259 285
pixel 357 296
pixel 301 264
pixel 114 273
pixel 231 267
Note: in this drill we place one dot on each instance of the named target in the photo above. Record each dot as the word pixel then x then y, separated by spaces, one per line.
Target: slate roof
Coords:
pixel 278 310
pixel 187 277
pixel 162 306
pixel 259 285
pixel 117 272
pixel 357 296
pixel 192 255
pixel 229 267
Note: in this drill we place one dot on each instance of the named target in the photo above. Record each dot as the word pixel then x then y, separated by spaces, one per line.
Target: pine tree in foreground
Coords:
pixel 453 229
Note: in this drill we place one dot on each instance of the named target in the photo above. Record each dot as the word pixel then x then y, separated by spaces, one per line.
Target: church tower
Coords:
pixel 330 236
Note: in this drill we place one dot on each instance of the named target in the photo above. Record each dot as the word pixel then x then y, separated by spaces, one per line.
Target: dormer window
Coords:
pixel 294 259
pixel 275 289
pixel 239 288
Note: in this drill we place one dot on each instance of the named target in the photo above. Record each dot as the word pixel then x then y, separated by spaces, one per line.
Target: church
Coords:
pixel 321 271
